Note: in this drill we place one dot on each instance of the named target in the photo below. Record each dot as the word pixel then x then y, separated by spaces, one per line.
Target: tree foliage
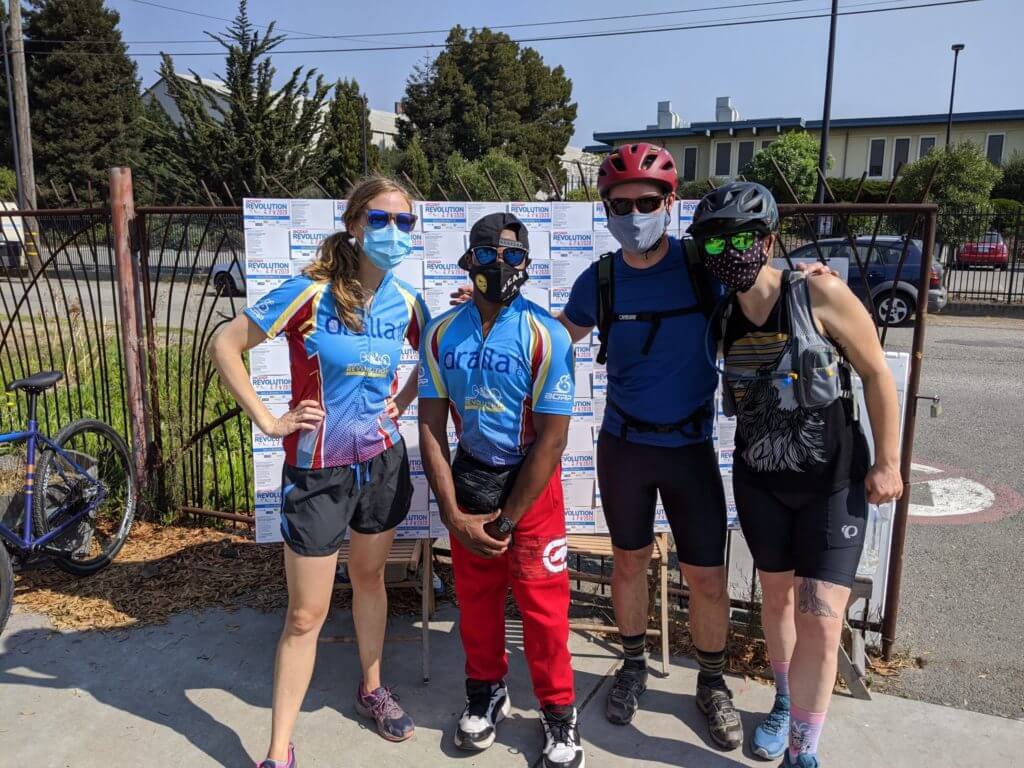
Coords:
pixel 484 92
pixel 250 134
pixel 412 161
pixel 85 109
pixel 343 138
pixel 796 153
pixel 1011 186
pixel 962 183
pixel 458 172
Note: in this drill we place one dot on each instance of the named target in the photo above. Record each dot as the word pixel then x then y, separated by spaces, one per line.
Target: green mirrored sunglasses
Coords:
pixel 741 241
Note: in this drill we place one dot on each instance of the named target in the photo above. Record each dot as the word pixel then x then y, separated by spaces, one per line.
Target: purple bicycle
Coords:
pixel 78 499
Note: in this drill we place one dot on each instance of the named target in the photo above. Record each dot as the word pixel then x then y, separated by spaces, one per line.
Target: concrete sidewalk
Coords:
pixel 196 692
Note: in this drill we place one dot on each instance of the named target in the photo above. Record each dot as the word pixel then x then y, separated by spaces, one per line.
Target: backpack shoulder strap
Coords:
pixel 700 280
pixel 605 302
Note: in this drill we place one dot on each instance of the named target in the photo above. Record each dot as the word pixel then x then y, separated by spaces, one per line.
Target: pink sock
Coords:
pixel 804 731
pixel 781 671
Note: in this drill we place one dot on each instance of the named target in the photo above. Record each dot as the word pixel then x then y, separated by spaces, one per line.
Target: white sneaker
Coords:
pixel 562 747
pixel 486 705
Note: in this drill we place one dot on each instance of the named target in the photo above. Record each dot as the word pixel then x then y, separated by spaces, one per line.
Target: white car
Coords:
pixel 229 279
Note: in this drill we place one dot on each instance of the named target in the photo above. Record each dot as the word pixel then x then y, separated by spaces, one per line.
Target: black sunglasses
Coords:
pixel 487 254
pixel 376 219
pixel 623 206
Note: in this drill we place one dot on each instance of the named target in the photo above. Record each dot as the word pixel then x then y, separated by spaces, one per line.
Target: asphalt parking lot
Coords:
pixel 962 613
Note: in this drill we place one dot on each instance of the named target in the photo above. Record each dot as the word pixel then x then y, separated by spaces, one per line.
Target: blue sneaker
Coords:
pixel 802 761
pixel 771 737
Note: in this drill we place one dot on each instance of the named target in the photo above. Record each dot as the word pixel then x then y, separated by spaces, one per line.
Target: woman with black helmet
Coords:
pixel 802 473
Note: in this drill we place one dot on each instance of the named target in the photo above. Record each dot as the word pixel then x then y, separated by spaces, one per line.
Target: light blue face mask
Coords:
pixel 387 246
pixel 639 232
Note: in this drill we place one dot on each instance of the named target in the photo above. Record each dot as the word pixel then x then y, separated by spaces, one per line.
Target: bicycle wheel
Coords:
pixel 95 474
pixel 6 586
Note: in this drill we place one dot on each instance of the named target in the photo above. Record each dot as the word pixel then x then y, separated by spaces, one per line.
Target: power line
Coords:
pixel 550 38
pixel 406 33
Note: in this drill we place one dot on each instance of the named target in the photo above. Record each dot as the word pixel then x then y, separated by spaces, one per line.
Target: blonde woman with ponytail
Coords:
pixel 346 467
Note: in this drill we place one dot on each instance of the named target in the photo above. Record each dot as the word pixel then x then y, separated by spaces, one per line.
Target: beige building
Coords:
pixel 877 145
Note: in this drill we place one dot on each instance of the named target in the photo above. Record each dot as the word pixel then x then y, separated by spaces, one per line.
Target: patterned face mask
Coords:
pixel 738 269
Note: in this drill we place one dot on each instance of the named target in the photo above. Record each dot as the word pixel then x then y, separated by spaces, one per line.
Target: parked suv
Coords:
pixel 881 274
pixel 988 251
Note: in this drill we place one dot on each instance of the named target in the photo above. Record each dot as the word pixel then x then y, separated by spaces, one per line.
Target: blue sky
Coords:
pixel 891 63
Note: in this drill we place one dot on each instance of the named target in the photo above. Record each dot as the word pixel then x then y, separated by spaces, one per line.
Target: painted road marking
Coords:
pixel 954 496
pixel 948 497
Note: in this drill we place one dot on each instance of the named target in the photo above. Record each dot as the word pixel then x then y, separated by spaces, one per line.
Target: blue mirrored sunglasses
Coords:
pixel 376 219
pixel 486 254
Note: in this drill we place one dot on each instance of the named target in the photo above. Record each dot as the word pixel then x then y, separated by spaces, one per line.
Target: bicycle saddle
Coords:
pixel 37 382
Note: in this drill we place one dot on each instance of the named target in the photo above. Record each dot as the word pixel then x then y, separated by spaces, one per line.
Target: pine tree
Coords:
pixel 85 107
pixel 343 138
pixel 484 92
pixel 251 134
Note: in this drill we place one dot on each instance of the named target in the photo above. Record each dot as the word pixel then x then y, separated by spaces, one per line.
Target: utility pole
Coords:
pixel 19 80
pixel 26 173
pixel 363 118
pixel 826 117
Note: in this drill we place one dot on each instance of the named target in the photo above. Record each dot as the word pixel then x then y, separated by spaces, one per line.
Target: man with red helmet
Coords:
pixel 650 303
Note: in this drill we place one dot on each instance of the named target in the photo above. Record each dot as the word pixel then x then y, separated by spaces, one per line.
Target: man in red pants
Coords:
pixel 504 369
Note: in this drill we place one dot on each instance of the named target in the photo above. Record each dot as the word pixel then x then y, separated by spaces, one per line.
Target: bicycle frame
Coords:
pixel 27 542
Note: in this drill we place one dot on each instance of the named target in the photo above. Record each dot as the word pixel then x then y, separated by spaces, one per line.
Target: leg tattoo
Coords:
pixel 811 602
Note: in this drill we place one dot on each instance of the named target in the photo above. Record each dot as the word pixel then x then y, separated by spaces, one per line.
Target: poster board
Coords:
pixel 281 237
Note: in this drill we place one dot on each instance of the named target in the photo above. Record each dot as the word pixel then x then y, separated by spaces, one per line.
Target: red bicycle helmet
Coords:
pixel 637 162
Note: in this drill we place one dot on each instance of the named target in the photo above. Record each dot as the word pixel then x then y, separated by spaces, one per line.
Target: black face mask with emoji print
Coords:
pixel 498 282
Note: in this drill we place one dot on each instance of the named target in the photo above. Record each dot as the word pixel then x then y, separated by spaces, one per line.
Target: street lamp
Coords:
pixel 957 47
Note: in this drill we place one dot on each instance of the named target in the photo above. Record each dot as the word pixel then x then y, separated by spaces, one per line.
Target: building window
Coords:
pixel 876 157
pixel 900 154
pixel 766 143
pixel 723 158
pixel 746 154
pixel 994 148
pixel 689 164
pixel 926 145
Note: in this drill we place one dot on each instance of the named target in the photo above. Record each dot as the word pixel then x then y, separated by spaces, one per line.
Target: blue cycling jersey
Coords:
pixel 496 384
pixel 349 374
pixel 674 378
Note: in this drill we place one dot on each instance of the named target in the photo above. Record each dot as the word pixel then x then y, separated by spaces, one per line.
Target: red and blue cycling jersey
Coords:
pixel 495 384
pixel 349 374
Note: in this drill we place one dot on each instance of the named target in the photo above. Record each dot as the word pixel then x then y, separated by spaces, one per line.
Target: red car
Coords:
pixel 989 251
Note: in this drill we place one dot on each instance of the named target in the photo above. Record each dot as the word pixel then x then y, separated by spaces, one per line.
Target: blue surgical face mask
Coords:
pixel 387 246
pixel 639 232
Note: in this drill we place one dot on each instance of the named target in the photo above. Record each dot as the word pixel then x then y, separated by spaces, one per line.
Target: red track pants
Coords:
pixel 535 563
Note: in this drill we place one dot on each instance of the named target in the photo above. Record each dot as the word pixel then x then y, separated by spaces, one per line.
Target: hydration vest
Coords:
pixel 810 363
pixel 606 314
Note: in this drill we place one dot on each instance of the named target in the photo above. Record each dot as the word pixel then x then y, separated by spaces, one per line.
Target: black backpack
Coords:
pixel 699 279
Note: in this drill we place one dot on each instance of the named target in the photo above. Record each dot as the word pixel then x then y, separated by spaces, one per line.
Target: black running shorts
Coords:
pixel 817 535
pixel 631 475
pixel 318 505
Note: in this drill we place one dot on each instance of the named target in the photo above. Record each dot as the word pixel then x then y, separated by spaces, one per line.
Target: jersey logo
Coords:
pixel 484 399
pixel 556 556
pixel 371 365
pixel 488 360
pixel 260 308
pixel 850 531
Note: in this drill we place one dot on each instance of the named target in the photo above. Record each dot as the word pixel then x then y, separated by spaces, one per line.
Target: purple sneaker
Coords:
pixel 277 763
pixel 382 706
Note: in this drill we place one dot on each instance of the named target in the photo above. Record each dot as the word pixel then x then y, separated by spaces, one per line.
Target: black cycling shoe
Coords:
pixel 624 697
pixel 724 725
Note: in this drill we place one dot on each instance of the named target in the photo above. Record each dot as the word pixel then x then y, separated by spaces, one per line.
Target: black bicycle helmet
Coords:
pixel 735 207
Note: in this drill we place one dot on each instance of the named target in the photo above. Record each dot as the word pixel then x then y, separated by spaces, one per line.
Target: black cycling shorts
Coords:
pixel 817 535
pixel 318 505
pixel 631 475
